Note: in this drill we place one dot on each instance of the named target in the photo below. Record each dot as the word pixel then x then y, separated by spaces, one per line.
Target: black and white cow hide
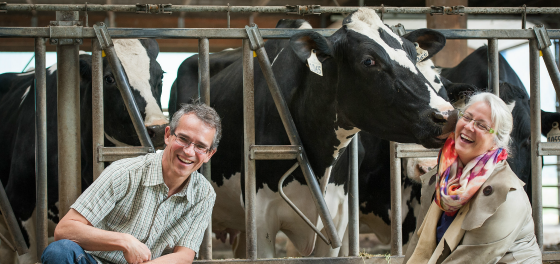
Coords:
pixel 370 82
pixel 17 154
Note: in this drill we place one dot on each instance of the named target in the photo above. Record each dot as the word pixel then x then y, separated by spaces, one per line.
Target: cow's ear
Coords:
pixel 303 43
pixel 85 67
pixel 428 40
pixel 152 47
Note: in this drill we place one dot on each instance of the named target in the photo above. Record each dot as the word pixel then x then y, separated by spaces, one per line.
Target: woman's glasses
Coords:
pixel 478 124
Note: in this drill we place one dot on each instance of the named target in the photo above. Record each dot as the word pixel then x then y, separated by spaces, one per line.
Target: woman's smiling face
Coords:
pixel 470 140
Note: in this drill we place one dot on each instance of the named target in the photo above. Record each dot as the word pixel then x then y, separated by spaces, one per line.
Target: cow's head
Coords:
pixel 379 88
pixel 138 58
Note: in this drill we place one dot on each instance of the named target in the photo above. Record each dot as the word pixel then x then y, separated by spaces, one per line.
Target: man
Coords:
pixel 142 207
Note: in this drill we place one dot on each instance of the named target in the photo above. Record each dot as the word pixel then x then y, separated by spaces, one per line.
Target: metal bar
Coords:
pixel 396 225
pixel 41 145
pixel 278 152
pixel 548 149
pixel 68 115
pixel 267 33
pixel 410 150
pixel 294 207
pixel 493 66
pixel 257 44
pixel 98 131
pixel 551 207
pixel 11 222
pixel 7 242
pixel 316 260
pixel 248 141
pixel 551 186
pixel 204 91
pixel 552 68
pixel 123 85
pixel 536 161
pixel 109 154
pixel 353 201
pixel 272 9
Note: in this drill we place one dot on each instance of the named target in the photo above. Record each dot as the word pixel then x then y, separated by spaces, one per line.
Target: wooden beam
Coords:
pixel 455 50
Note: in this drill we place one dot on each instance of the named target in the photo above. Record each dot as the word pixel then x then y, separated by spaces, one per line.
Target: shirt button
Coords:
pixel 487 190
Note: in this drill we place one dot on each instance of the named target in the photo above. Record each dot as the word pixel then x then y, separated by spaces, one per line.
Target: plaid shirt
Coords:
pixel 131 197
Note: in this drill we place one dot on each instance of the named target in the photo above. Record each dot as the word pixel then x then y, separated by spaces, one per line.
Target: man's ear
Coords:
pixel 167 135
pixel 210 155
pixel 428 40
pixel 303 43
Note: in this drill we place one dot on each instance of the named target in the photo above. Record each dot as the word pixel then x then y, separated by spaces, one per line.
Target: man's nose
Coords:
pixel 189 149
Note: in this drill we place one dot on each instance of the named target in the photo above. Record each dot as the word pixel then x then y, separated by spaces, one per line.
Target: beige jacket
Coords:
pixel 496 226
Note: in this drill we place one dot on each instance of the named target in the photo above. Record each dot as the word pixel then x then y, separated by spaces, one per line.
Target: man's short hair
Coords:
pixel 205 113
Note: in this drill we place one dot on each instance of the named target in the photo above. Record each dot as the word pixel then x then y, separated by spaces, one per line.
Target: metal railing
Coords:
pixel 397 150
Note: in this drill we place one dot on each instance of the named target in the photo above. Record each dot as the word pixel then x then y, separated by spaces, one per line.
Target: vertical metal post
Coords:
pixel 493 66
pixel 204 91
pixel 248 141
pixel 98 131
pixel 536 161
pixel 68 115
pixel 41 236
pixel 396 225
pixel 353 201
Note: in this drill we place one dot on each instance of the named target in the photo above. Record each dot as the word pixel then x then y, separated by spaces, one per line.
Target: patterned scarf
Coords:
pixel 456 184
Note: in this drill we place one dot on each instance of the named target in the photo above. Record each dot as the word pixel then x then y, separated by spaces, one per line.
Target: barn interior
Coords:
pixel 456 49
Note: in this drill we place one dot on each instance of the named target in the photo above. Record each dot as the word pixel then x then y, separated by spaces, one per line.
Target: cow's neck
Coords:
pixel 323 132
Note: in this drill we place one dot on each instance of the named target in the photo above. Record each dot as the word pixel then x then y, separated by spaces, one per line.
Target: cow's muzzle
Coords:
pixel 450 119
pixel 157 135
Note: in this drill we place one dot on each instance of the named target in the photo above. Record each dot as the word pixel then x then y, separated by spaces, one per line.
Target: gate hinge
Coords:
pixel 447 10
pixel 152 8
pixel 543 40
pixel 303 9
pixel 65 32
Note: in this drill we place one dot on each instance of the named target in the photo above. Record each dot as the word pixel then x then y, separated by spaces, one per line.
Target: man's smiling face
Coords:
pixel 179 161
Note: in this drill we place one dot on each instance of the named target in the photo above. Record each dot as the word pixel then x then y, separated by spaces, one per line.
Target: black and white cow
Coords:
pixel 17 154
pixel 370 82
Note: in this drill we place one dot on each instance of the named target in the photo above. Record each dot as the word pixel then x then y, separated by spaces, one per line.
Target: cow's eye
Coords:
pixel 369 62
pixel 109 79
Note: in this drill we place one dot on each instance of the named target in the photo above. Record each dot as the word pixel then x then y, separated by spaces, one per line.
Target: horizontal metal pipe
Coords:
pixel 268 9
pixel 267 33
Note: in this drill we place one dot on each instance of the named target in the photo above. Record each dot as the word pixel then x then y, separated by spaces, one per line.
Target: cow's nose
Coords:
pixel 157 134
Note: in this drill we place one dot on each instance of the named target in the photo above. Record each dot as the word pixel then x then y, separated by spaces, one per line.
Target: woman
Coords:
pixel 474 208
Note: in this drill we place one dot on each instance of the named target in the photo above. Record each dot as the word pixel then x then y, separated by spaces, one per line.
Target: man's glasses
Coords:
pixel 185 143
pixel 477 124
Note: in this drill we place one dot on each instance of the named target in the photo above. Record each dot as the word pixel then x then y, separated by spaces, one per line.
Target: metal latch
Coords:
pixel 65 32
pixel 152 8
pixel 447 10
pixel 255 37
pixel 542 37
pixel 3 7
pixel 303 9
pixel 399 29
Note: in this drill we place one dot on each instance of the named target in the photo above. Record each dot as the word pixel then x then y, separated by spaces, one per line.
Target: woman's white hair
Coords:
pixel 501 117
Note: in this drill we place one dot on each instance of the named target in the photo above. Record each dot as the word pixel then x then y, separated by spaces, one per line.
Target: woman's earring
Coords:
pixel 493 148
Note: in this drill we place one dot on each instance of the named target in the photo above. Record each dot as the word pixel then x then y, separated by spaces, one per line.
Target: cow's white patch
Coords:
pixel 428 70
pixel 337 202
pixel 28 72
pixel 52 68
pixel 305 25
pixel 511 106
pixel 272 64
pixel 342 136
pixel 437 102
pixel 116 142
pixel 366 22
pixel 24 95
pixel 136 63
pixel 228 209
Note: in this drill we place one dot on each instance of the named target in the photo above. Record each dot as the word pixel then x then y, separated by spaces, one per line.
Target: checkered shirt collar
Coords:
pixel 155 175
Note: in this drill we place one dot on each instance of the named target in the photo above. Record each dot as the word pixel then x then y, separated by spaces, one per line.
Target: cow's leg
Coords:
pixel 7 255
pixel 337 202
pixel 30 225
pixel 345 248
pixel 239 246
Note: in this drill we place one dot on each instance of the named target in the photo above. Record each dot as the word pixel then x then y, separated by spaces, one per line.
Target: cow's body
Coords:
pixel 364 69
pixel 17 156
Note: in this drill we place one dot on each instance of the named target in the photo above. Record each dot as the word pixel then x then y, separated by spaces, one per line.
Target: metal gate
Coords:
pixel 74 31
